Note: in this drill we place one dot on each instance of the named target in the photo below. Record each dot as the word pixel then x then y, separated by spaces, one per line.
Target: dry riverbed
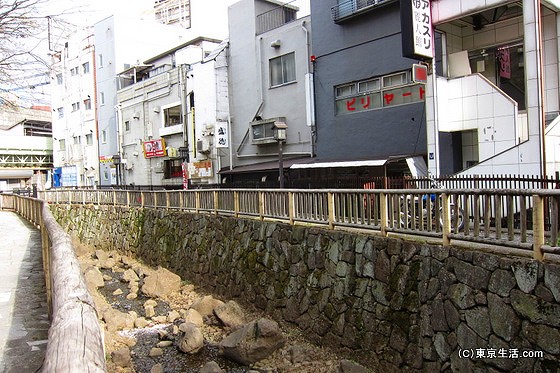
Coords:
pixel 155 322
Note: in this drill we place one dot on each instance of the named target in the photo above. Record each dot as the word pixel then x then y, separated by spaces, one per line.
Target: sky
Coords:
pixel 67 15
pixel 83 13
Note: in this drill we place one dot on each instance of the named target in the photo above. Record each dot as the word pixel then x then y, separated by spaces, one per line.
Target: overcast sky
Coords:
pixel 84 13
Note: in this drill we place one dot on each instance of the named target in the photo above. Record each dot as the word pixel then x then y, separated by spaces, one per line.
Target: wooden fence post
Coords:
pixel 538 226
pixel 236 203
pixel 261 205
pixel 291 206
pixel 446 219
pixel 383 211
pixel 330 201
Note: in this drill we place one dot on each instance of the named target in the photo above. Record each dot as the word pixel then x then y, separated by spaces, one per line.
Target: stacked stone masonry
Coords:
pixel 393 304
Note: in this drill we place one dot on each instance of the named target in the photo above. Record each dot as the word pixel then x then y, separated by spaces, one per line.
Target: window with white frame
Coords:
pixel 85 67
pixel 62 144
pixel 76 106
pixel 102 98
pixel 87 104
pixel 60 111
pixel 77 140
pixel 89 139
pixel 172 116
pixel 104 136
pixel 59 79
pixel 282 69
pixel 127 126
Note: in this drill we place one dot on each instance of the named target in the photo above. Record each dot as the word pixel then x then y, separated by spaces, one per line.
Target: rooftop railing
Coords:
pixel 349 8
pixel 522 222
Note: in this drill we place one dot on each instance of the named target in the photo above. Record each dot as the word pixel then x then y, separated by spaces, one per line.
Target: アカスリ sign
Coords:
pixel 417 30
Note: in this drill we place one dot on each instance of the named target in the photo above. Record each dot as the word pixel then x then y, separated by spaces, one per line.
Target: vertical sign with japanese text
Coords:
pixel 417 30
pixel 221 135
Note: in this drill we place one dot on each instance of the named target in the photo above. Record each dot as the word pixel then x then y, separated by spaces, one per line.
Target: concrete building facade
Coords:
pixel 73 103
pixel 269 80
pixel 490 103
pixel 26 147
pixel 170 112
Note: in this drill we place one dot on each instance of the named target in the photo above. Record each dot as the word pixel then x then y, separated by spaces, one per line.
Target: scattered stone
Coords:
pixel 158 368
pixel 164 344
pixel 253 342
pixel 150 302
pixel 107 263
pixel 117 320
pixel 93 278
pixel 130 276
pixel 156 351
pixel 347 366
pixel 206 305
pixel 160 319
pixel 192 341
pixel 149 311
pixel 175 330
pixel 118 292
pixel 172 316
pixel 131 296
pixel 193 316
pixel 230 314
pixel 127 261
pixel 211 367
pixel 121 357
pixel 552 279
pixel 101 255
pixel 161 283
pixel 107 277
pixel 141 322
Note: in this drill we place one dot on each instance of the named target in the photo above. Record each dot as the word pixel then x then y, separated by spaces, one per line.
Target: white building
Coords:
pixel 497 91
pixel 170 111
pixel 73 117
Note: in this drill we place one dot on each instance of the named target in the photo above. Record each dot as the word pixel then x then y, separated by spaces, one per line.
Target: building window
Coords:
pixel 102 98
pixel 172 116
pixel 76 106
pixel 100 60
pixel 172 169
pixel 104 137
pixel 77 140
pixel 283 69
pixel 59 79
pixel 60 111
pixel 127 126
pixel 74 71
pixel 375 93
pixel 87 104
pixel 85 67
pixel 89 139
pixel 395 80
pixel 105 175
pixel 62 144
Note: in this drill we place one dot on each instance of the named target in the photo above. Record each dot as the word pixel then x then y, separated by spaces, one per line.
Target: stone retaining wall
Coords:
pixel 396 305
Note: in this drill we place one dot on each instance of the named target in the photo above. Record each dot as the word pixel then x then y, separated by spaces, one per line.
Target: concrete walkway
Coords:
pixel 24 320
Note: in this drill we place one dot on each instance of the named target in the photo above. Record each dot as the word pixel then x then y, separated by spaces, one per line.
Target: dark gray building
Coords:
pixel 367 107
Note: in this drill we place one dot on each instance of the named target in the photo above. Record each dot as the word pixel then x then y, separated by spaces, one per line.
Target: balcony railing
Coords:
pixel 349 8
pixel 275 18
pixel 517 222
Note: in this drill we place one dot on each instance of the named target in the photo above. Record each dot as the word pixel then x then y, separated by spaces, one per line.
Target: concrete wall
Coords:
pixel 390 304
pixel 250 91
pixel 368 45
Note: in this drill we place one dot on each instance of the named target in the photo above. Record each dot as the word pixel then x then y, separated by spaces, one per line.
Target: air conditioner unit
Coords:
pixel 203 145
pixel 159 168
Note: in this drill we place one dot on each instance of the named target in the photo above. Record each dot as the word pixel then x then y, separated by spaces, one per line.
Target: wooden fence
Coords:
pixel 75 337
pixel 522 222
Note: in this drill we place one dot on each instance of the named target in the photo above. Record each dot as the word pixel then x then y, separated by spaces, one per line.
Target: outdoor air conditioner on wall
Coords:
pixel 203 145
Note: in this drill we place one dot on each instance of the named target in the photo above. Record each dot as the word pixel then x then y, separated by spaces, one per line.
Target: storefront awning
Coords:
pixel 368 163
